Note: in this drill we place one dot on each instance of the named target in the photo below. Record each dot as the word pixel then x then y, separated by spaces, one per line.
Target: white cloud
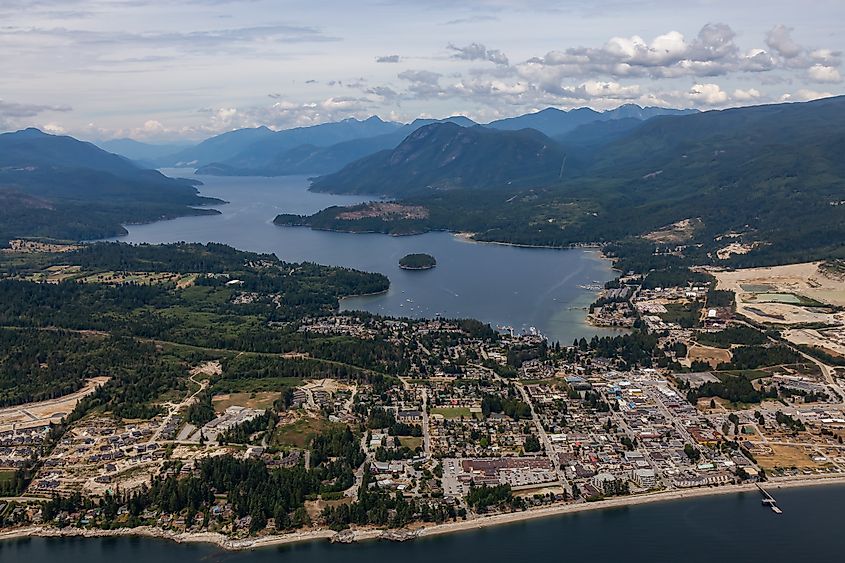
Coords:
pixel 423 83
pixel 749 95
pixel 605 90
pixel 708 95
pixel 757 60
pixel 153 127
pixel 14 115
pixel 805 95
pixel 712 52
pixel 54 128
pixel 826 57
pixel 478 52
pixel 123 63
pixel 779 39
pixel 822 73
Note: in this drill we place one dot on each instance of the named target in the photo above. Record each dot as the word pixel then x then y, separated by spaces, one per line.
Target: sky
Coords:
pixel 177 70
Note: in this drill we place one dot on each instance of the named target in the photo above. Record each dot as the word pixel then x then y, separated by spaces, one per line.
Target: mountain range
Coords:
pixel 557 122
pixel 59 187
pixel 143 153
pixel 328 147
pixel 315 158
pixel 769 178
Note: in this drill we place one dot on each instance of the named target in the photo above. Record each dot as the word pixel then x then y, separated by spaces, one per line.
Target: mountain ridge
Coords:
pixel 59 187
pixel 770 177
pixel 268 157
pixel 446 156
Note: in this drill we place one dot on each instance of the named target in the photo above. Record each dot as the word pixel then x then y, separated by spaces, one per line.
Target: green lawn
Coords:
pixel 749 374
pixel 254 385
pixel 6 475
pixel 411 442
pixel 300 433
pixel 452 412
pixel 686 314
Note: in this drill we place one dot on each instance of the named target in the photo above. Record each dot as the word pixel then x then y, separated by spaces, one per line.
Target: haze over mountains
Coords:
pixel 326 148
pixel 321 154
pixel 255 148
pixel 141 152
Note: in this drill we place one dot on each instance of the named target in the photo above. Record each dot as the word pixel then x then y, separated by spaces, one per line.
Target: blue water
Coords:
pixel 502 285
pixel 719 529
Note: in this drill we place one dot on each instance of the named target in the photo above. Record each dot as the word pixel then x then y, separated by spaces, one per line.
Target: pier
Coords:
pixel 769 500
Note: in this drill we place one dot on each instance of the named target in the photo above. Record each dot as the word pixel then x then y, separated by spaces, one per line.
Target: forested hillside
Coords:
pixel 111 310
pixel 769 179
pixel 445 156
pixel 58 187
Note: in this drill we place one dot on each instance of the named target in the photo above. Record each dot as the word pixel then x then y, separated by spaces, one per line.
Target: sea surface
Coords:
pixel 522 288
pixel 724 529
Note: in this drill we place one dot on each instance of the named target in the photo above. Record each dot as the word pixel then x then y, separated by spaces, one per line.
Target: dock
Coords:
pixel 769 500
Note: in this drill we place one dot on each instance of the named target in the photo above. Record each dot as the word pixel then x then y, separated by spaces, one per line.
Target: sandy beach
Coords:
pixel 365 534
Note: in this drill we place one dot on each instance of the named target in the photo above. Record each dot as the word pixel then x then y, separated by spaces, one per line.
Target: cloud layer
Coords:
pixel 158 69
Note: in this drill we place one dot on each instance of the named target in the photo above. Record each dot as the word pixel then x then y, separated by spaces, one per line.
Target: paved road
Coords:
pixel 426 427
pixel 352 492
pixel 173 409
pixel 547 443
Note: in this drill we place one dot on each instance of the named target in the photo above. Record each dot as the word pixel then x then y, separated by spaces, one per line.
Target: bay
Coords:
pixel 524 288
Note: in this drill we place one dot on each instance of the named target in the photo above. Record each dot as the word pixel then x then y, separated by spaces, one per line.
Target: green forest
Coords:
pixel 57 335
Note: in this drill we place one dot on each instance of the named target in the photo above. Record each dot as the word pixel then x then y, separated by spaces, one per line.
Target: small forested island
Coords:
pixel 417 262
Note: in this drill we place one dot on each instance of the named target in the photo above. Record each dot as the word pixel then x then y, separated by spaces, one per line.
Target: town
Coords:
pixel 692 395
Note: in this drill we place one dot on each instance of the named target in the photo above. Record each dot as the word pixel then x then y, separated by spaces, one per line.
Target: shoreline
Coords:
pixel 424 531
pixel 468 237
pixel 624 502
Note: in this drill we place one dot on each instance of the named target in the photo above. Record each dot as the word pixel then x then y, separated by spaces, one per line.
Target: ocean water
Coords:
pixel 724 529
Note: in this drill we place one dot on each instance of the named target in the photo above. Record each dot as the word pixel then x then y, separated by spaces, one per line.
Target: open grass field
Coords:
pixel 37 414
pixel 683 314
pixel 831 341
pixel 791 294
pixel 787 457
pixel 411 442
pixel 300 433
pixel 712 356
pixel 257 400
pixel 6 475
pixel 260 385
pixel 450 413
pixel 58 273
pixel 750 374
pixel 136 278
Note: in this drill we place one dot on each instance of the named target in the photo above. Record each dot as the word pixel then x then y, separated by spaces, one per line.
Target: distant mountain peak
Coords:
pixel 445 156
pixel 30 132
